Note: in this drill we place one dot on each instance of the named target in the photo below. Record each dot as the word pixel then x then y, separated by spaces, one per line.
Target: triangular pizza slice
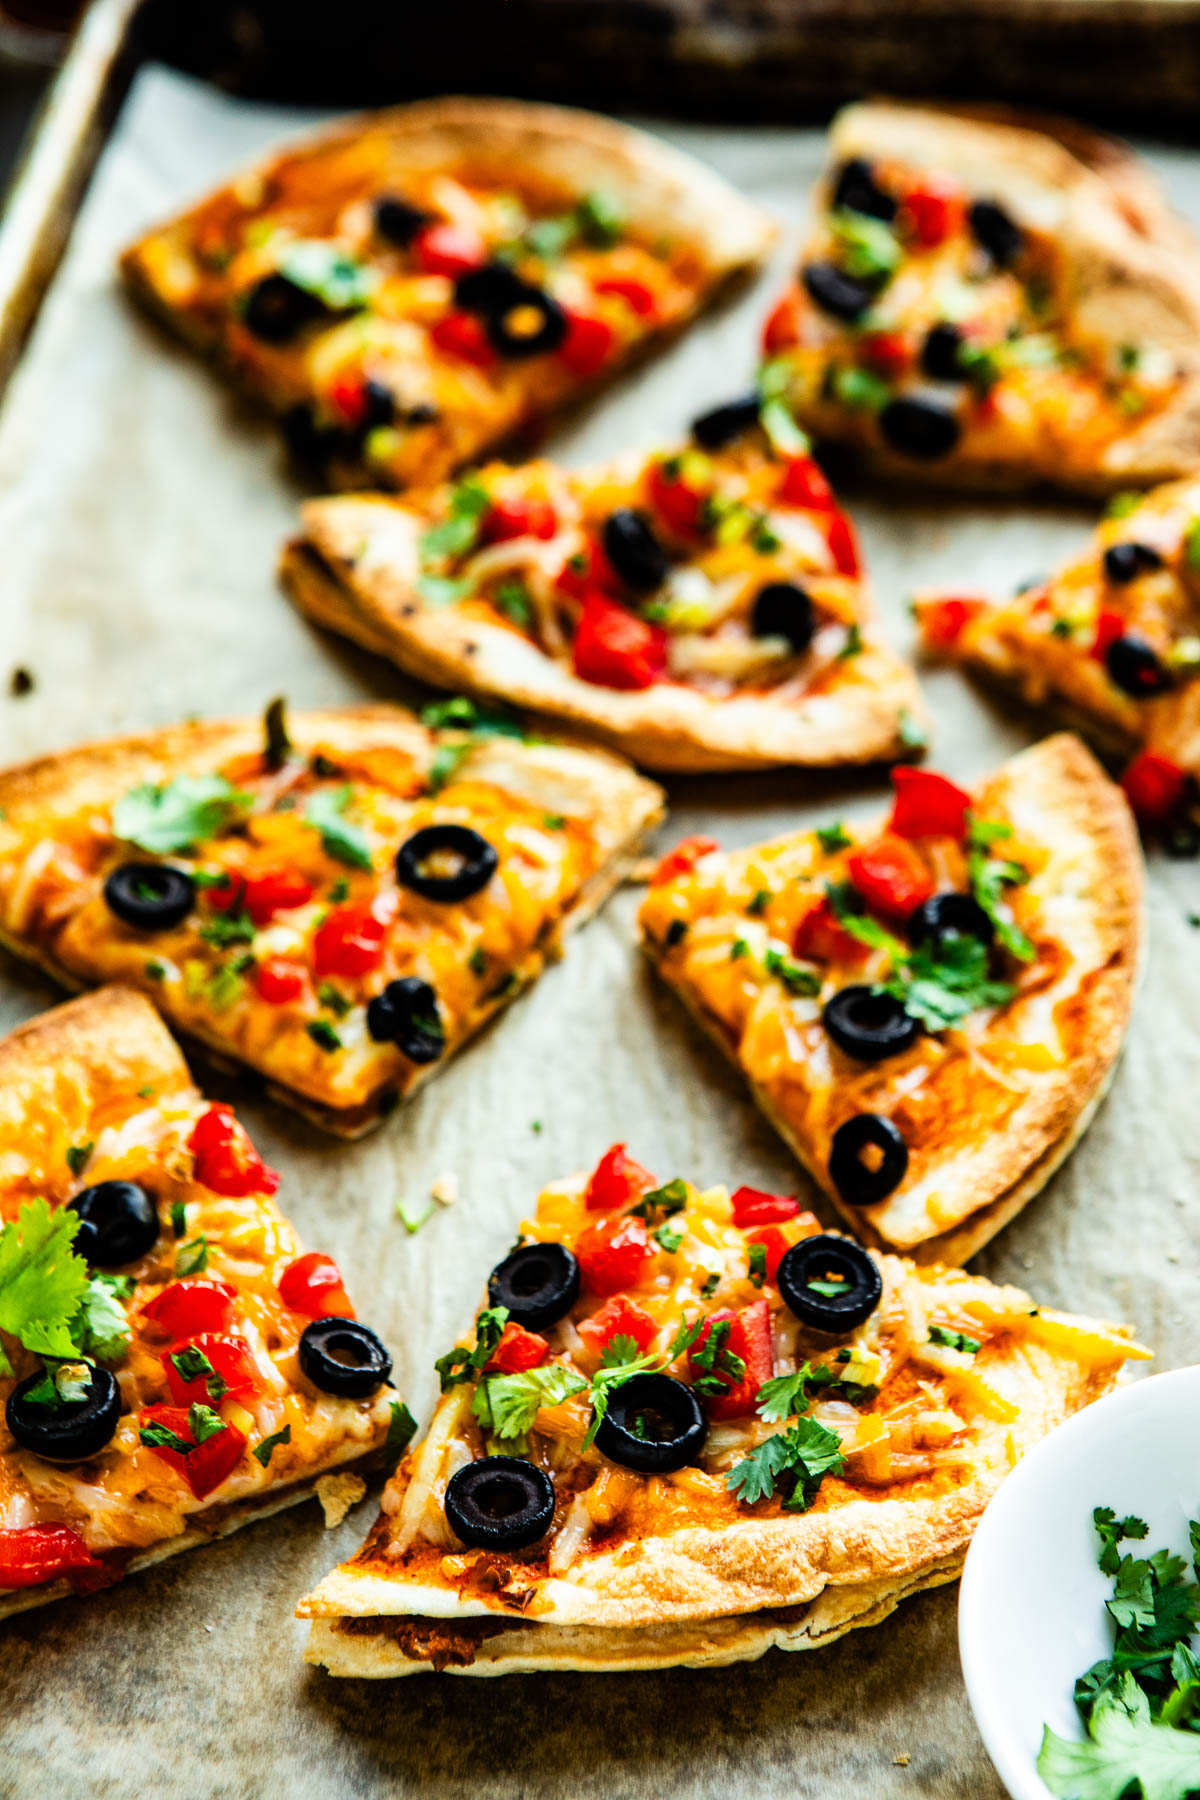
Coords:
pixel 690 1425
pixel 1111 642
pixel 340 900
pixel 929 1009
pixel 172 1365
pixel 408 289
pixel 702 607
pixel 994 301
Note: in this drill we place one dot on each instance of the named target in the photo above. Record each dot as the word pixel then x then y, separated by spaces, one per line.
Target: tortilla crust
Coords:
pixel 1060 783
pixel 562 776
pixel 1136 265
pixel 371 599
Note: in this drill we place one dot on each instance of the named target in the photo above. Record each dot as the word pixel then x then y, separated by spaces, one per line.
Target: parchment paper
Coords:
pixel 140 514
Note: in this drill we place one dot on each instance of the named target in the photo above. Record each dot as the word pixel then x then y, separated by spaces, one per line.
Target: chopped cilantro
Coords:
pixel 323 1034
pixel 668 1238
pixel 329 272
pixel 953 1340
pixel 192 1259
pixel 601 219
pixel 62 1384
pixel 442 590
pixel 341 840
pixel 512 599
pixel 758 903
pixel 796 977
pixel 620 1360
pixel 161 1437
pixel 833 837
pixel 458 532
pixel 179 814
pixel 333 999
pixel 155 970
pixel 477 962
pixel 784 1395
pixel 263 1452
pixel 554 821
pixel 847 905
pixel 793 1462
pixel 868 247
pixel 224 929
pixel 709 1286
pixel 738 949
pixel 401 1430
pixel 830 1288
pixel 203 1422
pixel 663 1201
pixel 78 1156
pixel 861 388
pixel 942 981
pixel 461 1364
pixel 340 890
pixel 758 1264
pixel 507 1405
pixel 989 876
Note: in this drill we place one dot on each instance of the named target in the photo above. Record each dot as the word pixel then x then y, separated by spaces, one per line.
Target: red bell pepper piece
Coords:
pixel 749 1338
pixel 203 1466
pixel 890 876
pixel 751 1206
pixel 676 502
pixel 349 940
pixel 613 1253
pixel 225 1159
pixel 843 545
pixel 275 890
pixel 618 1317
pixel 805 487
pixel 508 519
pixel 775 1245
pixel 588 571
pixel 518 1349
pixel 232 1363
pixel 1109 627
pixel 617 1181
pixel 933 211
pixel 31 1555
pixel 891 351
pixel 783 322
pixel 446 249
pixel 927 805
pixel 614 648
pixel 1155 787
pixel 636 295
pixel 588 344
pixel 821 936
pixel 185 1309
pixel 277 980
pixel 313 1285
pixel 462 335
pixel 683 858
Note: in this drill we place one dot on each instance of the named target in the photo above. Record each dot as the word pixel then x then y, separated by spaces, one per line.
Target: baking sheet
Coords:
pixel 140 513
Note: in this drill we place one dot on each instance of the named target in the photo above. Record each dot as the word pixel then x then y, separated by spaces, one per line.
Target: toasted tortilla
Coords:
pixel 563 777
pixel 1057 797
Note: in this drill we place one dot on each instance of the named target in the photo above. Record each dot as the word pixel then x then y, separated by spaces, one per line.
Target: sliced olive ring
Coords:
pixel 783 609
pixel 857 189
pixel 918 426
pixel 1134 667
pixel 654 1424
pixel 118 1222
pixel 527 323
pixel 939 352
pixel 276 310
pixel 867 1025
pixel 72 1430
pixel 477 861
pixel 311 443
pixel 538 1283
pixel 634 551
pixel 842 296
pixel 489 288
pixel 342 1356
pixel 720 426
pixel 996 231
pixel 150 896
pixel 835 1263
pixel 1124 562
pixel 397 220
pixel 949 915
pixel 858 1183
pixel 407 1014
pixel 499 1503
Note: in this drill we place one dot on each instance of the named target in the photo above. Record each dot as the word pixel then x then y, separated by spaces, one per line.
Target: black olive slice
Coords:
pixel 634 551
pixel 528 323
pixel 835 292
pixel 151 896
pixel 830 1283
pixel 397 220
pixel 1124 562
pixel 939 353
pixel 720 426
pixel 499 1503
pixel 118 1223
pixel 477 862
pixel 860 1183
pixel 379 405
pixel 653 1423
pixel 342 1356
pixel 309 442
pixel 857 188
pixel 867 1025
pixel 1134 667
pixel 949 915
pixel 920 427
pixel 71 1431
pixel 407 1014
pixel 997 232
pixel 487 289
pixel 539 1284
pixel 783 609
pixel 277 310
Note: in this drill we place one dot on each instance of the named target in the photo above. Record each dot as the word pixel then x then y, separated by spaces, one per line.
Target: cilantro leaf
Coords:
pixel 342 841
pixel 508 1404
pixel 101 1326
pixel 460 1364
pixel 942 981
pixel 328 271
pixel 1121 1748
pixel 847 908
pixel 833 837
pixel 402 1428
pixel 797 978
pixel 620 1361
pixel 160 1437
pixel 793 1461
pixel 42 1281
pixel 784 1395
pixel 224 929
pixel 989 876
pixel 662 1202
pixel 178 814
pixel 1112 1531
pixel 262 1452
pixel 203 1422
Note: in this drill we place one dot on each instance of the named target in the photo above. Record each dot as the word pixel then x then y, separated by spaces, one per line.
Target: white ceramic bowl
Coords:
pixel 1031 1609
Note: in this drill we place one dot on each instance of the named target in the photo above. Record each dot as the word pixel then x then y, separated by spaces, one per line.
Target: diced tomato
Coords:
pixel 506 519
pixel 228 897
pixel 614 648
pixel 518 1349
pixel 927 805
pixel 822 936
pixel 462 335
pixel 843 545
pixel 1155 787
pixel 588 344
pixel 1109 627
pixel 348 396
pixel 943 621
pixel 677 503
pixel 617 1181
pixel 187 1308
pixel 891 351
pixel 934 211
pixel 803 485
pixel 588 571
pixel 683 858
pixel 751 1206
pixel 890 876
pixel 750 1338
pixel 349 941
pixel 225 1159
pixel 613 1253
pixel 618 1317
pixel 775 1245
pixel 232 1360
pixel 636 295
pixel 313 1285
pixel 275 890
pixel 782 328
pixel 205 1466
pixel 277 981
pixel 445 249
pixel 31 1555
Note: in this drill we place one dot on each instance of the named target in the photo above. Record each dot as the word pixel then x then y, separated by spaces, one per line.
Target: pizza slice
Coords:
pixel 408 289
pixel 339 901
pixel 690 1425
pixel 993 301
pixel 700 608
pixel 928 1012
pixel 1112 641
pixel 171 1365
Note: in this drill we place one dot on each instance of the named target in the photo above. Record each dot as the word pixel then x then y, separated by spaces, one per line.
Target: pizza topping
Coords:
pixel 1123 563
pixel 528 323
pixel 831 1283
pixel 32 1555
pixel 927 805
pixel 614 648
pixel 445 249
pixel 996 231
pixel 634 551
pixel 619 1317
pixel 612 1254
pixel 869 1025
pixel 349 941
pixel 751 1206
pixel 920 427
pixel 210 1367
pixel 407 1014
pixel 725 424
pixel 1134 667
pixel 397 220
pixel 1156 787
pixel 499 1503
pixel 278 981
pixel 536 1284
pixel 890 875
pixel 617 1180
pixel 856 189
pixel 652 1423
pixel 868 1159
pixel 732 1358
pixel 313 1285
pixel 149 896
pixel 195 1442
pixel 841 295
pixel 225 1159
pixel 186 1308
pixel 792 1463
pixel 949 915
pixel 783 609
pixel 118 1223
pixel 65 1427
pixel 446 862
pixel 343 1356
pixel 517 1351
